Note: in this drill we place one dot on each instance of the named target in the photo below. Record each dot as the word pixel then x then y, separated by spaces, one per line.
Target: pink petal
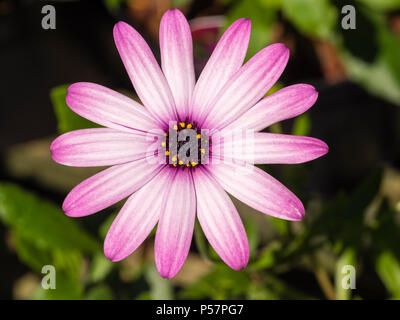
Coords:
pixel 108 187
pixel 137 217
pixel 284 104
pixel 108 108
pixel 177 58
pixel 247 86
pixel 270 148
pixel 259 190
pixel 175 228
pixel 145 73
pixel 226 59
pixel 98 147
pixel 220 221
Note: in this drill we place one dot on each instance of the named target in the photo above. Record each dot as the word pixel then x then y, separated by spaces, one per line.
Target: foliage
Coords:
pixel 67 119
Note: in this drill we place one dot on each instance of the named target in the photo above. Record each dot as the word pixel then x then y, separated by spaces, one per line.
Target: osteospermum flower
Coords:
pixel 228 95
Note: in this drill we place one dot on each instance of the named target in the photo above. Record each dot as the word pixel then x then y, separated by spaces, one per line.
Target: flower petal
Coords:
pixel 269 148
pixel 137 217
pixel 284 104
pixel 259 190
pixel 177 58
pixel 247 86
pixel 220 221
pixel 226 59
pixel 108 187
pixel 175 228
pixel 145 73
pixel 108 108
pixel 98 147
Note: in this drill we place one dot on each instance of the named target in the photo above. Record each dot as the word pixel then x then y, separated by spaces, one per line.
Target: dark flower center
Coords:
pixel 186 145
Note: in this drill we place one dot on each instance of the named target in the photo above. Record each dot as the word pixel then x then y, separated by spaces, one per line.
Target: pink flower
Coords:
pixel 227 95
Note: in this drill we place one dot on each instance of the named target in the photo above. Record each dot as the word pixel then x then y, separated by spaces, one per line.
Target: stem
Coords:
pixel 325 283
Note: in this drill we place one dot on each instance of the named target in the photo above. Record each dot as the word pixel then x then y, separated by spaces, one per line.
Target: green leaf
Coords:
pixel 388 269
pixel 67 119
pixel 41 221
pixel 262 20
pixel 302 125
pixel 30 254
pixel 386 237
pixel 201 242
pixel 221 283
pixel 68 261
pixel 66 289
pixel 271 4
pixel 349 208
pixel 385 230
pixel 348 257
pixel 267 258
pixel 99 292
pixel 316 18
pixel 105 226
pixel 100 268
pixel 381 76
pixel 280 225
pixel 253 234
pixel 179 3
pixel 383 5
pixel 160 288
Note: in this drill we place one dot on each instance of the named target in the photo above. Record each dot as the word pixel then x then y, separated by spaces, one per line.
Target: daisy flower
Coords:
pixel 228 95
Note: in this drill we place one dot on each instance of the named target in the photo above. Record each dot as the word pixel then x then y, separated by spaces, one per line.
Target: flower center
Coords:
pixel 186 145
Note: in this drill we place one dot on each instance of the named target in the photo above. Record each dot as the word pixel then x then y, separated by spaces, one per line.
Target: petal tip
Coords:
pixel 53 146
pixel 243 25
pixel 282 49
pixel 68 212
pixel 165 271
pixel 114 249
pixel 174 11
pixel 120 24
pixel 324 148
pixel 246 22
pixel 321 149
pixel 111 250
pixel 167 275
pixel 110 255
pixel 68 209
pixel 240 265
pixel 71 88
pixel 119 28
pixel 299 212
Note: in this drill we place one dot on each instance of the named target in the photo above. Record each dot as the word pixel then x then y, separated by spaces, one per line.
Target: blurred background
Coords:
pixel 351 195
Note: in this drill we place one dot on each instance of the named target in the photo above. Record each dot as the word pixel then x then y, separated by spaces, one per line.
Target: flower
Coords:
pixel 227 95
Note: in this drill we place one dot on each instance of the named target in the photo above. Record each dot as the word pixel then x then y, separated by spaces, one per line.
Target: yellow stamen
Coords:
pixel 202 151
pixel 199 136
pixel 180 162
pixel 163 143
pixel 182 124
pixel 167 153
pixel 165 134
pixel 174 158
pixel 175 127
pixel 189 126
pixel 188 165
pixel 194 163
pixel 174 164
